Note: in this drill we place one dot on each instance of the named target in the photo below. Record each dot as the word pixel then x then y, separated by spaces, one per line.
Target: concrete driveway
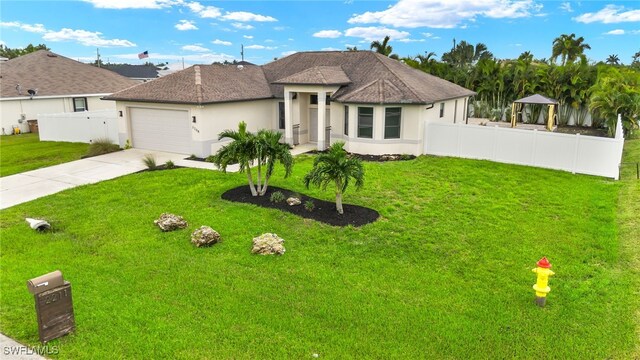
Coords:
pixel 30 185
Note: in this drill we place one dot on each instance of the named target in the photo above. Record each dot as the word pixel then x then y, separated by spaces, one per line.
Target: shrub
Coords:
pixel 277 197
pixel 150 161
pixel 127 145
pixel 169 164
pixel 101 146
pixel 309 205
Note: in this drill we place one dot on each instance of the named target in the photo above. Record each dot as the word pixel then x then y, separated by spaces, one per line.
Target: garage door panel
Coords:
pixel 162 130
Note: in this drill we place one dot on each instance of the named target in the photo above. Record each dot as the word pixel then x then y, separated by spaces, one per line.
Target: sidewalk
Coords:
pixel 12 350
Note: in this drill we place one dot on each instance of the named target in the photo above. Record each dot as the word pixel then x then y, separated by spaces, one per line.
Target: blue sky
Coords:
pixel 207 31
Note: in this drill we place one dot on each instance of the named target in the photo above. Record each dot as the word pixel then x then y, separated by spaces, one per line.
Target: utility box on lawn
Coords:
pixel 54 305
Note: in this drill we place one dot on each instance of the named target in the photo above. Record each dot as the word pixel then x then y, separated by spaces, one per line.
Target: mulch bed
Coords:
pixel 582 131
pixel 375 158
pixel 323 211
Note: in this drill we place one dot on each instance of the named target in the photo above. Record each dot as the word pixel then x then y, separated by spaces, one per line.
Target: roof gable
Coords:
pixel 54 74
pixel 317 75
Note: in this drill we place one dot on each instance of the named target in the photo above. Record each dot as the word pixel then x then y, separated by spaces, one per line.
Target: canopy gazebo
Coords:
pixel 536 99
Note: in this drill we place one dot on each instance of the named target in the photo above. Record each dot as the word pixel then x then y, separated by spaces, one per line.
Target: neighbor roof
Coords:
pixel 363 77
pixel 53 74
pixel 201 84
pixel 134 71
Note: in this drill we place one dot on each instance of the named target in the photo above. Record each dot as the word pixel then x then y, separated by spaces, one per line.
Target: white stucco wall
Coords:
pixel 11 109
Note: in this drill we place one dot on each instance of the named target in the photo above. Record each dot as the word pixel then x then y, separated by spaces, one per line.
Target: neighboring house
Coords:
pixel 43 83
pixel 377 105
pixel 140 73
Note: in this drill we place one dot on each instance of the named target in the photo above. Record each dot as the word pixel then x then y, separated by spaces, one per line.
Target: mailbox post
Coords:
pixel 54 306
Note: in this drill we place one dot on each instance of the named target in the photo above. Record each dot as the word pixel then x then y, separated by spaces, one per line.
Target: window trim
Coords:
pixel 86 104
pixel 346 120
pixel 399 122
pixel 372 121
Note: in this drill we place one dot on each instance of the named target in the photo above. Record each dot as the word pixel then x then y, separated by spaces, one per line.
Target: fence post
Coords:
pixel 457 127
pixel 534 143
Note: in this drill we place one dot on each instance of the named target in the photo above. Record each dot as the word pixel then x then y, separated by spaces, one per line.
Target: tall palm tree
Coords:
pixel 569 48
pixel 613 59
pixel 465 54
pixel 335 166
pixel 382 47
pixel 242 150
pixel 269 151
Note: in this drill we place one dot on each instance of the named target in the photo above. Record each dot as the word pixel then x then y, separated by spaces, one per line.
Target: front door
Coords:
pixel 313 123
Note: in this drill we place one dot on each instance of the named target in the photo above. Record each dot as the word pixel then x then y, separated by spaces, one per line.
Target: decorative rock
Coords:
pixel 268 244
pixel 170 222
pixel 293 201
pixel 205 236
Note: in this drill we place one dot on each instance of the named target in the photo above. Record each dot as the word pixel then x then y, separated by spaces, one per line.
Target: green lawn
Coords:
pixel 20 153
pixel 445 273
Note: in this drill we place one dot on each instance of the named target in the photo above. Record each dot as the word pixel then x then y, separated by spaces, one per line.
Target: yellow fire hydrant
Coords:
pixel 541 287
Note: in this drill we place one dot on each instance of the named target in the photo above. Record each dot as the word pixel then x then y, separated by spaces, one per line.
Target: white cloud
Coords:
pixel 35 28
pixel 247 37
pixel 195 58
pixel 375 33
pixel 407 40
pixel 195 48
pixel 207 12
pixel 86 38
pixel 267 41
pixel 610 14
pixel 330 49
pixel 280 28
pixel 132 4
pixel 242 26
pixel 185 25
pixel 427 35
pixel 287 53
pixel 331 34
pixel 260 47
pixel 245 16
pixel 221 42
pixel 566 6
pixel 445 14
pixel 615 32
pixel 634 32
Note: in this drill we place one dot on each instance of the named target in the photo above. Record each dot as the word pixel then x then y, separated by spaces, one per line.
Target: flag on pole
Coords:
pixel 143 55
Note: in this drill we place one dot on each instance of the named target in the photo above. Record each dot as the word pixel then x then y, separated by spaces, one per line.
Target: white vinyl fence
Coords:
pixel 575 153
pixel 79 126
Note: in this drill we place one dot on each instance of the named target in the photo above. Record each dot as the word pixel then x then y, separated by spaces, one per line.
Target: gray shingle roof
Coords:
pixel 53 74
pixel 364 76
pixel 536 99
pixel 202 84
pixel 317 75
pixel 134 71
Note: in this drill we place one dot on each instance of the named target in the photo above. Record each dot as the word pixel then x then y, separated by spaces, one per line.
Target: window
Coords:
pixel 346 120
pixel 313 99
pixel 441 109
pixel 392 123
pixel 365 122
pixel 80 104
pixel 281 115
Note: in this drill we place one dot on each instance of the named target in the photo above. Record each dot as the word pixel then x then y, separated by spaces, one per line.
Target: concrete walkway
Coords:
pixel 11 349
pixel 31 185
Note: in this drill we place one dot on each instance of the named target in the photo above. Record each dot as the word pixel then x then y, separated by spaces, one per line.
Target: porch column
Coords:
pixel 288 118
pixel 322 111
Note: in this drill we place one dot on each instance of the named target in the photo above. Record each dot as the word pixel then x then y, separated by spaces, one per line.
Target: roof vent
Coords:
pixel 240 67
pixel 19 89
pixel 51 55
pixel 32 93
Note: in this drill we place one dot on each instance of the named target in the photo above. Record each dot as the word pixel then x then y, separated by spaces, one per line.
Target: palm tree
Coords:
pixel 569 48
pixel 465 54
pixel 335 166
pixel 382 47
pixel 352 48
pixel 613 59
pixel 269 151
pixel 242 150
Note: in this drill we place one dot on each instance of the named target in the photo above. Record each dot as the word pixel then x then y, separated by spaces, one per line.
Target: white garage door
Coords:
pixel 162 130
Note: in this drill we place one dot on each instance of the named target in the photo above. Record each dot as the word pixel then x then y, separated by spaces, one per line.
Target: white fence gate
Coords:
pixel 575 153
pixel 83 126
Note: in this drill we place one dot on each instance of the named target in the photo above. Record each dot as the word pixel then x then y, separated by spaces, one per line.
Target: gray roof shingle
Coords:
pixel 54 74
pixel 364 77
pixel 134 71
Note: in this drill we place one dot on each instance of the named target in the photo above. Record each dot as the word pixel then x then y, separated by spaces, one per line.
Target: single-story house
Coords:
pixel 377 105
pixel 140 73
pixel 43 82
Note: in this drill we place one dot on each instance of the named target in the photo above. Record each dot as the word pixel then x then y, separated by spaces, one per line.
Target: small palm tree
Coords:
pixel 613 59
pixel 242 150
pixel 336 167
pixel 270 151
pixel 382 47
